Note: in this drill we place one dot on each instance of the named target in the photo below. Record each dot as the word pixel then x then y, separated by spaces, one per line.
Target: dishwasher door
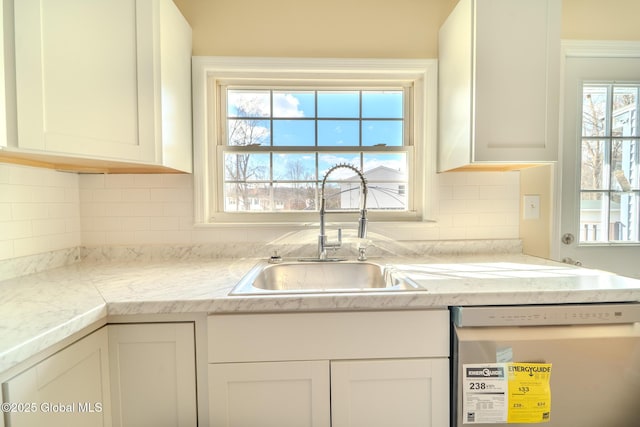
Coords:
pixel 595 374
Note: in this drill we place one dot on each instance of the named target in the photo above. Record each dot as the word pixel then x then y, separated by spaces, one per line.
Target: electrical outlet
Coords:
pixel 531 206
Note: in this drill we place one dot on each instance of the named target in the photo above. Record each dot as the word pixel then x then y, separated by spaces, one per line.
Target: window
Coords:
pixel 609 181
pixel 278 145
pixel 267 130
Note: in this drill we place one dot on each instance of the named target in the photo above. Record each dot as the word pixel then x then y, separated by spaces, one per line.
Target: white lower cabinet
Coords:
pixel 70 388
pixel 269 394
pixel 356 369
pixel 153 374
pixel 125 375
pixel 383 393
pixel 354 393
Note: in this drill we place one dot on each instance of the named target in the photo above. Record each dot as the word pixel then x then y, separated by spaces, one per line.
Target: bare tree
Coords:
pixel 247 130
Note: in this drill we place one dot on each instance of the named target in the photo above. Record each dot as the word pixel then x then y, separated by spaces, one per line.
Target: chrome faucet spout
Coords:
pixel 323 243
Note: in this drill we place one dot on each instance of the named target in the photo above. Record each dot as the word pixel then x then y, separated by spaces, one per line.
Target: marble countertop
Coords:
pixel 43 308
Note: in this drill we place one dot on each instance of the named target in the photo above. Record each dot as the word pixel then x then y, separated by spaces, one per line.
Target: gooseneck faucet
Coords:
pixel 323 242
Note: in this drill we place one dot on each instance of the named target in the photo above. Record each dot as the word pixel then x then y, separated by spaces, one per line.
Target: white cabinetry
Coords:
pixel 105 79
pixel 278 394
pixel 382 393
pixel 70 388
pixel 329 369
pixel 153 374
pixel 499 75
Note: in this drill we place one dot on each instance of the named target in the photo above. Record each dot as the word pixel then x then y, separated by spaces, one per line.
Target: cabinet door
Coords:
pixel 153 377
pixel 403 392
pixel 517 75
pixel 70 388
pixel 270 394
pixel 84 77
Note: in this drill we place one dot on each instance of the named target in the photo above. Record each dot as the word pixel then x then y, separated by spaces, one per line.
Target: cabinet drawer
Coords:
pixel 322 336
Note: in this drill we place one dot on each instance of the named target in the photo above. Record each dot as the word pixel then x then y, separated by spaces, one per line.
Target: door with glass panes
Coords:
pixel 599 197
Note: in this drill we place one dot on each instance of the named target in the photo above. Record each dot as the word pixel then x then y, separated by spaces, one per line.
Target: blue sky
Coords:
pixel 342 115
pixel 339 115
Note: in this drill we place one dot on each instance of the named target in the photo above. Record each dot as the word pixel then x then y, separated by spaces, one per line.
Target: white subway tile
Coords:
pixel 101 224
pixel 93 238
pixel 45 227
pixel 65 240
pixel 453 233
pixel 6 249
pixel 31 246
pixel 465 192
pixel 26 211
pixel 26 175
pixel 177 181
pixel 4 175
pixel 152 237
pixel 136 195
pixel 87 181
pixel 119 238
pixel 93 209
pixel 63 210
pixel 15 230
pixel 171 195
pixel 492 192
pixel 219 234
pixel 72 195
pixel 148 181
pixel 5 212
pixel 107 195
pixel 453 206
pixel 144 209
pixel 48 194
pixel 120 181
pixel 445 192
pixel 453 178
pixel 164 223
pixel 496 178
pixel 187 223
pixel 10 193
pixel 178 209
pixel 465 220
pixel 73 225
pixel 495 232
pixel 135 223
pixel 86 195
pixel 119 209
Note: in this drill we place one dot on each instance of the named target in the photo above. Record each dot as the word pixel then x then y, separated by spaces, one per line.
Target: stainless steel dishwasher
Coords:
pixel 589 355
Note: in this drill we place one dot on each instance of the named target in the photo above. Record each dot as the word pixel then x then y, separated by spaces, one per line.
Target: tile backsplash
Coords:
pixel 43 210
pixel 39 211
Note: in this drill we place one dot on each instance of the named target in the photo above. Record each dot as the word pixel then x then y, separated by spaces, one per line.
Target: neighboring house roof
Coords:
pixel 380 173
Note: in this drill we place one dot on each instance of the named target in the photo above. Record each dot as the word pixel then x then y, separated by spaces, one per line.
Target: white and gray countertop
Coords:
pixel 43 308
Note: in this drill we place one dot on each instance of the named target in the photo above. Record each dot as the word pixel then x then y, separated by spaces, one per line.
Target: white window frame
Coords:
pixel 209 71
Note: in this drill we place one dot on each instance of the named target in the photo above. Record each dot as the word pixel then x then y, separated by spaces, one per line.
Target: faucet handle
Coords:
pixel 333 245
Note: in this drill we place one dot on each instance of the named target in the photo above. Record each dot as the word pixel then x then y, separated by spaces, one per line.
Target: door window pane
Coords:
pixel 609 181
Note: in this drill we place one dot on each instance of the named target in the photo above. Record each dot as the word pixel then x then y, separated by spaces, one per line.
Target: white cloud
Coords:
pixel 286 105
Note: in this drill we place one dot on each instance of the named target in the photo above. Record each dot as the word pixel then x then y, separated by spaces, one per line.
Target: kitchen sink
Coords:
pixel 322 277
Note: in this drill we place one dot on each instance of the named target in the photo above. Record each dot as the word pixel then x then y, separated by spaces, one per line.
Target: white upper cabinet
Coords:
pixel 103 79
pixel 499 74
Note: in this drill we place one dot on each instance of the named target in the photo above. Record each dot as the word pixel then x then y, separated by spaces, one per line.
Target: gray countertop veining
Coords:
pixel 43 308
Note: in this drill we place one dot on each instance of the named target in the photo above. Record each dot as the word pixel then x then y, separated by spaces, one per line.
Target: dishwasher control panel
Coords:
pixel 535 315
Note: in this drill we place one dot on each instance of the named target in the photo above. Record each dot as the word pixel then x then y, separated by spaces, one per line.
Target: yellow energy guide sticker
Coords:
pixel 529 392
pixel 506 393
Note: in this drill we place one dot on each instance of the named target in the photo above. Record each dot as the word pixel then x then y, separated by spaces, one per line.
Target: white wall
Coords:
pixel 39 211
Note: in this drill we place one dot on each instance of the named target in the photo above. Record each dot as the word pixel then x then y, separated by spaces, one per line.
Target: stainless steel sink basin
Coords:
pixel 320 277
